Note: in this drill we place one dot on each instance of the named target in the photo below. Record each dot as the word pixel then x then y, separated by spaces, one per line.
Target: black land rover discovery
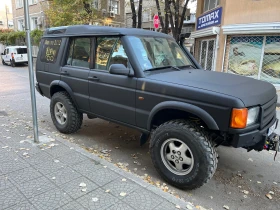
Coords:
pixel 147 81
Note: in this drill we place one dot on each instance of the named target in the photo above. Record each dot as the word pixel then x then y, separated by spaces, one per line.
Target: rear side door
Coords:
pixel 76 70
pixel 21 54
pixel 111 96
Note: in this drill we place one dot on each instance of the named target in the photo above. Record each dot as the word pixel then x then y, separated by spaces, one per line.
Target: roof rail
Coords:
pixel 56 30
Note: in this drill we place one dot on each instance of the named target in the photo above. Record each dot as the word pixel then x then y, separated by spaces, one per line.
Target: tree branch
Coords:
pixel 182 19
pixel 159 14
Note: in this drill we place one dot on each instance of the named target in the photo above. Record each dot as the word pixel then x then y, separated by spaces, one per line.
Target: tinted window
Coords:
pixel 118 55
pixel 21 50
pixel 50 50
pixel 79 52
pixel 104 49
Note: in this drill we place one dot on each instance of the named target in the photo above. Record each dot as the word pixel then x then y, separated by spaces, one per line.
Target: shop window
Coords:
pixel 207 54
pixel 210 4
pixel 255 56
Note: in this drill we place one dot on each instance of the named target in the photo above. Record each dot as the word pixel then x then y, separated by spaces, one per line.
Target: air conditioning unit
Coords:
pixel 112 14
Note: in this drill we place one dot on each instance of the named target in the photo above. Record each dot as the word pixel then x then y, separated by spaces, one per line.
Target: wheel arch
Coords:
pixel 181 108
pixel 57 86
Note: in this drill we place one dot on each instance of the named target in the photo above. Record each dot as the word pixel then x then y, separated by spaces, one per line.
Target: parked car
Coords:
pixel 145 80
pixel 14 55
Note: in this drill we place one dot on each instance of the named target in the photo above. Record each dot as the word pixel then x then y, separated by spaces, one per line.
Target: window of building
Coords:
pixel 103 51
pixel 33 2
pixel 50 50
pixel 146 16
pixel 114 7
pixel 20 25
pixel 1 22
pixel 19 3
pixel 79 52
pixel 95 4
pixel 210 4
pixel 34 23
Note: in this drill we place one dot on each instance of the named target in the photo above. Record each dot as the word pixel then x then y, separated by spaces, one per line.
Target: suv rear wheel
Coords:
pixel 65 116
pixel 183 154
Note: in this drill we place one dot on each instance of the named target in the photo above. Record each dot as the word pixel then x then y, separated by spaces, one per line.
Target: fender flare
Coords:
pixel 202 114
pixel 66 87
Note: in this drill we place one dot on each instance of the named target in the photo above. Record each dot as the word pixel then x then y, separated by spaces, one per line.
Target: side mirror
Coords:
pixel 119 69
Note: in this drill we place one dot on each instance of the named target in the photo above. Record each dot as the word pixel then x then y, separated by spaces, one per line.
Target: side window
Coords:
pixel 50 50
pixel 118 55
pixel 7 51
pixel 79 52
pixel 104 49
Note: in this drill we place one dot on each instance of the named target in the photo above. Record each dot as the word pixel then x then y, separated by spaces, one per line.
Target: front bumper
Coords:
pixel 255 139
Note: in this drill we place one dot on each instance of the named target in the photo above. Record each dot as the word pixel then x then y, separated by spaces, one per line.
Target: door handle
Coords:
pixel 64 73
pixel 94 78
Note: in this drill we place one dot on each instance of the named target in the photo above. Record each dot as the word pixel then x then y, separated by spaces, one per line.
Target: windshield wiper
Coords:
pixel 163 67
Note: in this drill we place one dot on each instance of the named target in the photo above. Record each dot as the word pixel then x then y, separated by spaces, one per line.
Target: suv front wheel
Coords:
pixel 65 116
pixel 183 154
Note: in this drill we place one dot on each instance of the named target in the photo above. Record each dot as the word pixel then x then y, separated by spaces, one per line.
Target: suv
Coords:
pixel 145 80
pixel 14 55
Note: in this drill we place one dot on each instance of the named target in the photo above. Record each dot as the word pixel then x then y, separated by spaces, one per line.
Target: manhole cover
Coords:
pixel 3 113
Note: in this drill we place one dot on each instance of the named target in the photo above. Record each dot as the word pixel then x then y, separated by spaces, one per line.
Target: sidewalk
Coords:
pixel 57 174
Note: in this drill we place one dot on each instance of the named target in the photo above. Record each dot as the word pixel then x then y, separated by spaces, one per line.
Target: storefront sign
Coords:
pixel 156 21
pixel 210 19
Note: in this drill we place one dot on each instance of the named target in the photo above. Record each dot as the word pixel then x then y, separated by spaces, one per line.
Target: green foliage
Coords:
pixel 71 12
pixel 36 36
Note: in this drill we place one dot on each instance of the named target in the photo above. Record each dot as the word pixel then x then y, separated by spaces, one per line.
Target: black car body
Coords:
pixel 143 98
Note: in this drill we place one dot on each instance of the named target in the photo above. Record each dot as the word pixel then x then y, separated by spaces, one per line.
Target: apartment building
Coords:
pixel 6 16
pixel 239 37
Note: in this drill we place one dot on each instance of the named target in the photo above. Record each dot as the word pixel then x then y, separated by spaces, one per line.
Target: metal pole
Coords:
pixel 31 73
pixel 7 16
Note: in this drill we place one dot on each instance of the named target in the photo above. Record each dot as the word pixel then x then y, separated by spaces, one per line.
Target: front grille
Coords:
pixel 268 112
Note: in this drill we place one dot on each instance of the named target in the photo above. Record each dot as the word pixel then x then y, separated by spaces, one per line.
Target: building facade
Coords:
pixel 239 37
pixel 6 17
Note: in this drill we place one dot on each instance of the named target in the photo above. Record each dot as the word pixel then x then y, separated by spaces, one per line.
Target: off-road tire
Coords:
pixel 203 150
pixel 74 117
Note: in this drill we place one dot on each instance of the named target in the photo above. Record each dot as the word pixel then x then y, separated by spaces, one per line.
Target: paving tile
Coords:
pixel 101 176
pixel 50 200
pixel 58 150
pixel 49 166
pixel 72 206
pixel 36 186
pixel 143 199
pixel 63 176
pixel 24 205
pixel 13 165
pixel 117 186
pixel 5 183
pixel 87 166
pixel 72 158
pixel 24 175
pixel 39 158
pixel 103 200
pixel 75 191
pixel 10 197
pixel 7 154
pixel 122 206
pixel 168 205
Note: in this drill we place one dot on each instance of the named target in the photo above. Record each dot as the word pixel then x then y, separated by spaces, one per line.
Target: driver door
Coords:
pixel 111 96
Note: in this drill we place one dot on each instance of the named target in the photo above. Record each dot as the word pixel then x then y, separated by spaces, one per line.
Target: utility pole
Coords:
pixel 6 8
pixel 31 72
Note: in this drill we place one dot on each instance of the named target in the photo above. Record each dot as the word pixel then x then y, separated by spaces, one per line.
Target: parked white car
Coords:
pixel 14 55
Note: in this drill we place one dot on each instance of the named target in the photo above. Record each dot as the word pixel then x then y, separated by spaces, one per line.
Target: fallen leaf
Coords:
pixel 83 184
pixel 271 192
pixel 21 148
pixel 53 177
pixel 245 192
pixel 94 199
pixel 250 159
pixel 5 147
pixel 25 153
pixel 105 166
pixel 226 207
pixel 56 161
pixel 107 191
pixel 211 197
pixel 258 182
pixel 124 180
pixel 84 189
pixel 189 207
pixel 274 182
pixel 245 196
pixel 122 194
pixel 268 196
pixel 177 206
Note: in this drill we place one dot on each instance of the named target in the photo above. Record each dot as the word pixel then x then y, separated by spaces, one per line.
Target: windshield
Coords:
pixel 155 52
pixel 21 50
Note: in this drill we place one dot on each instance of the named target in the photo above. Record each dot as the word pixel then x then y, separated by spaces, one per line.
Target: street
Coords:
pixel 238 171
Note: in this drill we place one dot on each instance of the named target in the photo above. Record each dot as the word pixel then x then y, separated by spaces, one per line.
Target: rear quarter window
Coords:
pixel 50 50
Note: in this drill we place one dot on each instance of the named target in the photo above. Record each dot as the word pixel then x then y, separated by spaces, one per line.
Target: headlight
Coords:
pixel 253 114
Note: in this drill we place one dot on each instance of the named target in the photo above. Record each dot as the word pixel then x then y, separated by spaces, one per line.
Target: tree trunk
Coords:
pixel 182 20
pixel 159 14
pixel 133 13
pixel 140 14
pixel 166 21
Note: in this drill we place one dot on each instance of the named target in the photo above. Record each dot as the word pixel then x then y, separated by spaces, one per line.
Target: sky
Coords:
pixel 5 2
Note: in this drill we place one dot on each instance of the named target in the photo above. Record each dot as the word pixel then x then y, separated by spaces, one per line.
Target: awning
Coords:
pixel 205 32
pixel 252 28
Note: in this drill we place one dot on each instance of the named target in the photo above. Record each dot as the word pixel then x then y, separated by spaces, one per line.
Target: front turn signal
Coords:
pixel 239 118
